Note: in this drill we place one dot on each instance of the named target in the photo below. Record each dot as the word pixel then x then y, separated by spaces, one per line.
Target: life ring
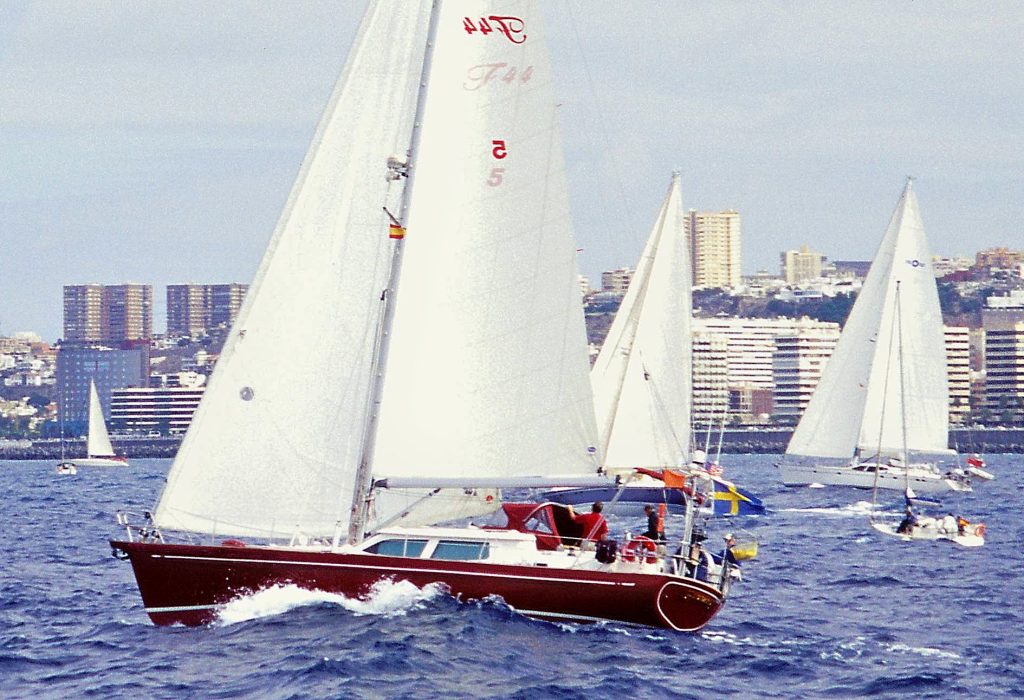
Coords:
pixel 633 547
pixel 979 529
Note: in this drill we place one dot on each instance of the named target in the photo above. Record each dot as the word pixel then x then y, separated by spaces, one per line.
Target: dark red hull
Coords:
pixel 186 584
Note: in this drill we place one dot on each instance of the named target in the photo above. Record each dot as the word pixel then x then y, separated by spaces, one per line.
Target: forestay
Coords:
pixel 641 378
pixel 859 402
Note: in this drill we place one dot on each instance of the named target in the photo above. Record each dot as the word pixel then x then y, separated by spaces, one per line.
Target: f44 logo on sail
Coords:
pixel 512 28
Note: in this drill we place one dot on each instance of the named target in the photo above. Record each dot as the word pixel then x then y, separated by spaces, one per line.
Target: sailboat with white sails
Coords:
pixel 914 527
pixel 642 383
pixel 99 452
pixel 445 364
pixel 877 419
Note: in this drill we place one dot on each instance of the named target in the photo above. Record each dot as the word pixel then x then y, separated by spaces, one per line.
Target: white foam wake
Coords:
pixel 923 651
pixel 858 509
pixel 386 598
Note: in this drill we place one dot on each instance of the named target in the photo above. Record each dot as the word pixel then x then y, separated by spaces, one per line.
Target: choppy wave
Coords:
pixel 859 509
pixel 828 609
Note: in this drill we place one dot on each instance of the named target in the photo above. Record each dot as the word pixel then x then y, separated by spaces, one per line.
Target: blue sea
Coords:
pixel 828 609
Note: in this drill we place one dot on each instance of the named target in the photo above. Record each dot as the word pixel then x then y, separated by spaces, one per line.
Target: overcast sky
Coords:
pixel 156 142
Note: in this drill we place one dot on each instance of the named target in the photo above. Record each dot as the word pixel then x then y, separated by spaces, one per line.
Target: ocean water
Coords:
pixel 828 609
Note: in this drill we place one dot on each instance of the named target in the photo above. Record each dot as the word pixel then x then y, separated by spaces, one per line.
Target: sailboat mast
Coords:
pixel 364 474
pixel 903 384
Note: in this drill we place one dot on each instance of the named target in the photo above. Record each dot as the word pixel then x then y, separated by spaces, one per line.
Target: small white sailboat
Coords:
pixel 914 527
pixel 64 466
pixel 873 420
pixel 99 451
pixel 642 385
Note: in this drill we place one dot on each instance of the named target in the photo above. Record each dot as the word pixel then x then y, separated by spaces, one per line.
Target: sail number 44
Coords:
pixel 512 28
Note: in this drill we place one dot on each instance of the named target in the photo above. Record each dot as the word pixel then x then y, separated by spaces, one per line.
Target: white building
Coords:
pixel 710 380
pixel 750 348
pixel 797 364
pixel 801 265
pixel 167 410
pixel 958 369
pixel 616 281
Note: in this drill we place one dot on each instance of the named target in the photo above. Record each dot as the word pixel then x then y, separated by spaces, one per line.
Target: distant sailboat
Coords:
pixel 874 420
pixel 99 451
pixel 642 384
pixel 445 363
pixel 914 527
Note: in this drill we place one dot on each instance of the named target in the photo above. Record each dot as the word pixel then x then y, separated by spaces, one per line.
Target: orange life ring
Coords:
pixel 630 551
pixel 979 529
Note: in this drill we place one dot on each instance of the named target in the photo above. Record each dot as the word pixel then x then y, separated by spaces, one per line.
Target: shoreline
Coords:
pixel 752 440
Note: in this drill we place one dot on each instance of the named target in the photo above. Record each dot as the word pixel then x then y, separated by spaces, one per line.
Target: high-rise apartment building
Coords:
pixel 84 318
pixel 194 309
pixel 958 371
pixel 112 314
pixel 186 309
pixel 1004 365
pixel 130 312
pixel 801 265
pixel 714 247
pixel 225 303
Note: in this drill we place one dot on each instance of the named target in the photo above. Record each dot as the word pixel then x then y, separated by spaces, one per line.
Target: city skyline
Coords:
pixel 160 144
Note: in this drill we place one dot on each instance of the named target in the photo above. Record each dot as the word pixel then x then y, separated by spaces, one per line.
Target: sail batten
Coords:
pixel 867 396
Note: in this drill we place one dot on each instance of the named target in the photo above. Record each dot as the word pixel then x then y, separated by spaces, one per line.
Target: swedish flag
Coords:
pixel 732 500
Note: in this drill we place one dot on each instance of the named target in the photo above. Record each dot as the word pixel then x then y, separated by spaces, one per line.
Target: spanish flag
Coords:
pixel 396 231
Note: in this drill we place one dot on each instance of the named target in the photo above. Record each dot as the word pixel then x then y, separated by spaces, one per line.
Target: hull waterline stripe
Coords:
pixel 568 616
pixel 627 584
pixel 181 608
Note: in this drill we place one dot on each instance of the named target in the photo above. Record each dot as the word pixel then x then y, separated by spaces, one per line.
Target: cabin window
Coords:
pixel 461 551
pixel 398 548
pixel 539 523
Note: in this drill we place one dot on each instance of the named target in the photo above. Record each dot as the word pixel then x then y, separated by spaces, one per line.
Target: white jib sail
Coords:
pixel 858 405
pixel 98 440
pixel 275 442
pixel 487 372
pixel 641 378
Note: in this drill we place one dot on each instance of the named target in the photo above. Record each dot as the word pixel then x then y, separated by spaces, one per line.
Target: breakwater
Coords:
pixel 51 449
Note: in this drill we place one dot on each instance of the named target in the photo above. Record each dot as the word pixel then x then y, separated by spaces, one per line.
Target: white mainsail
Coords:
pixel 641 378
pixel 867 396
pixel 487 366
pixel 98 440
